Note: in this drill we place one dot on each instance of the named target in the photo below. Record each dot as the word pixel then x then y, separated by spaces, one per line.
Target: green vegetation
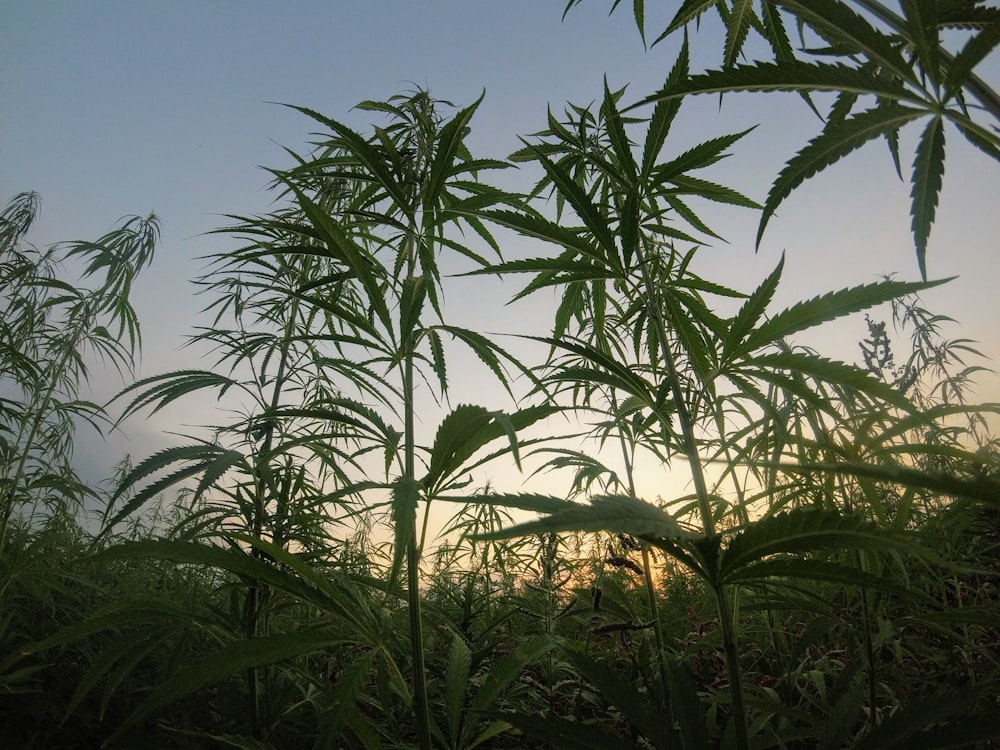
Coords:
pixel 274 582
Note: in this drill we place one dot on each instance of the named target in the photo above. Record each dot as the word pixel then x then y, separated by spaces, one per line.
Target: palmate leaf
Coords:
pixel 618 375
pixel 589 377
pixel 411 304
pixel 194 459
pixel 928 170
pixel 830 306
pixel 562 270
pixel 698 157
pixel 615 514
pixel 688 185
pixel 449 144
pixel 160 390
pixel 592 216
pixel 765 367
pixel 492 355
pixel 663 115
pixel 956 718
pixel 621 146
pixel 784 76
pixel 900 425
pixel 922 24
pixel 836 141
pixel 537 226
pixel 347 251
pixel 838 24
pixel 115 665
pixel 797 531
pixel 806 569
pixel 982 488
pixel 752 310
pixel 690 10
pixel 460 434
pixel 505 671
pixel 351 684
pixel 959 72
pixel 529 501
pixel 366 155
pixel 312 588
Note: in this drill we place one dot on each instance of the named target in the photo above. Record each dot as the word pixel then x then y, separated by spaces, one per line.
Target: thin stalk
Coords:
pixel 420 701
pixel 647 572
pixel 257 593
pixel 689 443
pixel 690 447
pixel 421 704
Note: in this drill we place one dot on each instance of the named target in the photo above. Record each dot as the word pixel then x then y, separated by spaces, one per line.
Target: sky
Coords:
pixel 119 107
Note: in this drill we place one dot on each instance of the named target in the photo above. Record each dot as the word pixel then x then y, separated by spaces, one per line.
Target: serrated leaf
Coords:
pixel 616 514
pixel 458 436
pixel 449 142
pixel 982 489
pixel 830 306
pixel 838 24
pixel 160 390
pixel 806 569
pixel 959 73
pixel 615 129
pixel 928 171
pixel 532 225
pixel 741 17
pixel 411 303
pixel 903 729
pixel 790 75
pixel 797 531
pixel 194 460
pixel 406 493
pixel 663 114
pixel 752 310
pixel 837 140
pixel 690 10
pixel 458 662
pixel 591 215
pixel 831 371
pixel 698 157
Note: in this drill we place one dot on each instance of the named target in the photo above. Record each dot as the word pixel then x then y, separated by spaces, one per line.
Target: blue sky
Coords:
pixel 118 107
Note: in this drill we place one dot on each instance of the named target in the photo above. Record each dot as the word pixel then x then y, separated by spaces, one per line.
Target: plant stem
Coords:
pixel 420 702
pixel 647 572
pixel 421 706
pixel 704 505
pixel 257 593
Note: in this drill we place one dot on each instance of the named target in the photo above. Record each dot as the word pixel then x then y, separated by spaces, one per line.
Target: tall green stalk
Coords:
pixel 257 591
pixel 647 574
pixel 690 446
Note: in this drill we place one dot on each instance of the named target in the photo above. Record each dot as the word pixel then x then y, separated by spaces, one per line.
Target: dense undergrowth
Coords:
pixel 830 582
